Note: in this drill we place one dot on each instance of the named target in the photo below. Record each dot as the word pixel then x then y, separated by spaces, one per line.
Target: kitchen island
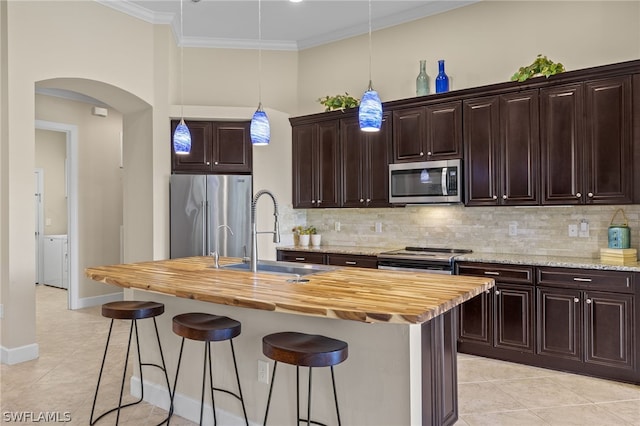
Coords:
pixel 399 325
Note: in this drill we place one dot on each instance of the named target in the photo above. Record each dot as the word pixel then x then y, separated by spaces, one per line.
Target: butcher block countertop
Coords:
pixel 358 294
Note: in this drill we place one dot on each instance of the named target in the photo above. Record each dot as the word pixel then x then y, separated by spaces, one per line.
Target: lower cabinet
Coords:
pixel 502 317
pixel 338 259
pixel 584 321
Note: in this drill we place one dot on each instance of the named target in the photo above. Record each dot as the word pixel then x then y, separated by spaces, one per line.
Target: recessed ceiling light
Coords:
pixel 295 1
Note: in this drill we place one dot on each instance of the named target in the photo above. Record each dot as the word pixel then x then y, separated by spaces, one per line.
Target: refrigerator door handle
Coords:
pixel 205 242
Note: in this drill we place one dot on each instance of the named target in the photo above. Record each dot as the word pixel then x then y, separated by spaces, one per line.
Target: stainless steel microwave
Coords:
pixel 427 182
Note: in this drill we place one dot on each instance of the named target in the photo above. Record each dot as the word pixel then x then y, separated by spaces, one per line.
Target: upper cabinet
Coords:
pixel 365 164
pixel 502 149
pixel 587 143
pixel 316 165
pixel 216 147
pixel 432 132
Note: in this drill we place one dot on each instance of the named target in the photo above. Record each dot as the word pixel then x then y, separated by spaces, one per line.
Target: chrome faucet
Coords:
pixel 216 254
pixel 254 230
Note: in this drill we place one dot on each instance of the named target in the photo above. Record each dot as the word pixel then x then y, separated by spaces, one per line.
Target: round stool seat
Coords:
pixel 132 309
pixel 304 349
pixel 205 327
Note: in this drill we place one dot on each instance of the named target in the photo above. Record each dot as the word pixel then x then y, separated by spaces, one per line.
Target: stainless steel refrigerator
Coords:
pixel 201 206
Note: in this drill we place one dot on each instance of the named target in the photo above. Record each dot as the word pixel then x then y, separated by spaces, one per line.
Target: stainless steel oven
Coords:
pixel 423 259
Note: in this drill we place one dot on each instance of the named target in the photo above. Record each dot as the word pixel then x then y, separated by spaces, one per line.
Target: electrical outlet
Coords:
pixel 583 231
pixel 263 371
pixel 513 229
pixel 573 230
pixel 337 226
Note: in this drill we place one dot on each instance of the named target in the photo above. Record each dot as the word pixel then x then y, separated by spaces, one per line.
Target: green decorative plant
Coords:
pixel 338 102
pixel 541 66
pixel 304 230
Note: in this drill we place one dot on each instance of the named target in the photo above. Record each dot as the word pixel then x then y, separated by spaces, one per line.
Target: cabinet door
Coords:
pixel 303 154
pixel 199 159
pixel 519 148
pixel 608 144
pixel 609 329
pixel 353 260
pixel 328 165
pixel 481 135
pixel 376 169
pixel 476 319
pixel 232 149
pixel 562 137
pixel 409 135
pixel 514 317
pixel 353 148
pixel 559 324
pixel 301 257
pixel 444 131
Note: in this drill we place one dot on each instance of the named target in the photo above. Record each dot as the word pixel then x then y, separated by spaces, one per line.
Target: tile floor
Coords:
pixel 491 392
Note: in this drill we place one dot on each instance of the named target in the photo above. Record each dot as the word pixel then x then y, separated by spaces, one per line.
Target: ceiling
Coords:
pixel 285 25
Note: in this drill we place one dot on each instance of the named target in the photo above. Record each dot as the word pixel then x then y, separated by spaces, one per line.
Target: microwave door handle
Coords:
pixel 445 181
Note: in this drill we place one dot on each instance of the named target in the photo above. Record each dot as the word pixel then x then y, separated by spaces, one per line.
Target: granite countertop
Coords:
pixel 483 257
pixel 357 294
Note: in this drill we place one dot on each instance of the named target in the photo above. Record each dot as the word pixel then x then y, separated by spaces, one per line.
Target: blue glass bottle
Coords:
pixel 442 81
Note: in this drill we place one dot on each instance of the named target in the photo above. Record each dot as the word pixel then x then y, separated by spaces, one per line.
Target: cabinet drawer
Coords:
pixel 352 260
pixel 587 279
pixel 301 256
pixel 499 272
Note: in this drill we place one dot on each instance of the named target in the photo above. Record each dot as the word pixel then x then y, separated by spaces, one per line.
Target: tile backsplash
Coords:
pixel 513 230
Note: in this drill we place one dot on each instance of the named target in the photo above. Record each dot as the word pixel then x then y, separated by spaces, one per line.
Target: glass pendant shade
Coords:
pixel 370 112
pixel 182 139
pixel 260 129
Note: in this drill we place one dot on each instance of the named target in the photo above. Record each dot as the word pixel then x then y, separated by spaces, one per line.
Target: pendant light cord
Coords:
pixel 369 44
pixel 181 64
pixel 259 53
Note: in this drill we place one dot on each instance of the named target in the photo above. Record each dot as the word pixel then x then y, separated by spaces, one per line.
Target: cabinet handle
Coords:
pixel 208 163
pixel 576 300
pixel 313 201
pixel 578 195
pixel 487 292
pixel 582 280
pixel 362 200
pixel 421 153
pixel 495 197
pixel 215 162
pixel 350 262
pixel 497 292
pixel 491 273
pixel 588 301
pixel 504 197
pixel 429 153
pixel 319 201
pixel 301 258
pixel 368 200
pixel 590 195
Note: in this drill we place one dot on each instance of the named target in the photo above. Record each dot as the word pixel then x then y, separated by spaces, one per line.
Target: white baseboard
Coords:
pixel 18 355
pixel 184 406
pixel 87 302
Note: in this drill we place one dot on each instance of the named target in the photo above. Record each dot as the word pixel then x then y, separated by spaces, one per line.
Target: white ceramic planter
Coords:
pixel 315 240
pixel 304 240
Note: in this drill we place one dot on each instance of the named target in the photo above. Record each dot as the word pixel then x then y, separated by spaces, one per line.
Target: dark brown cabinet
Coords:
pixel 432 132
pixel 216 147
pixel 337 259
pixel 502 317
pixel 587 142
pixel 587 316
pixel 316 165
pixel 502 149
pixel 365 164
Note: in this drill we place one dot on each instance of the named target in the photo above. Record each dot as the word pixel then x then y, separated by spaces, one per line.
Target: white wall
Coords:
pixel 51 157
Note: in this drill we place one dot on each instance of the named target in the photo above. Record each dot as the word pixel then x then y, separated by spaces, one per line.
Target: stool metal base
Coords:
pixel 308 420
pixel 207 360
pixel 163 367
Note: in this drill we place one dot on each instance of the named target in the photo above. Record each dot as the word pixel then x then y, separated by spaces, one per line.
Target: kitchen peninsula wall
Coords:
pixel 540 230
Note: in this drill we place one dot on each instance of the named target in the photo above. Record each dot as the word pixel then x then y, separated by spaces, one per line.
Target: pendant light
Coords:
pixel 182 135
pixel 370 111
pixel 260 130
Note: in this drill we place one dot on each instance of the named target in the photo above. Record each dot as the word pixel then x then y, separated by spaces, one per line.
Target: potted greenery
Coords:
pixel 542 66
pixel 338 102
pixel 304 233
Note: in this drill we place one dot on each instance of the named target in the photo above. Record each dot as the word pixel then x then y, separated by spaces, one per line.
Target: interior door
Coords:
pixel 39 223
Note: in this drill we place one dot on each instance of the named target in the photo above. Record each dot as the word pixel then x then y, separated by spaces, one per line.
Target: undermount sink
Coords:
pixel 289 268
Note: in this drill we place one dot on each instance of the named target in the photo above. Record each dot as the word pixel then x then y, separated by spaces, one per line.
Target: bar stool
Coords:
pixel 304 350
pixel 208 328
pixel 131 310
